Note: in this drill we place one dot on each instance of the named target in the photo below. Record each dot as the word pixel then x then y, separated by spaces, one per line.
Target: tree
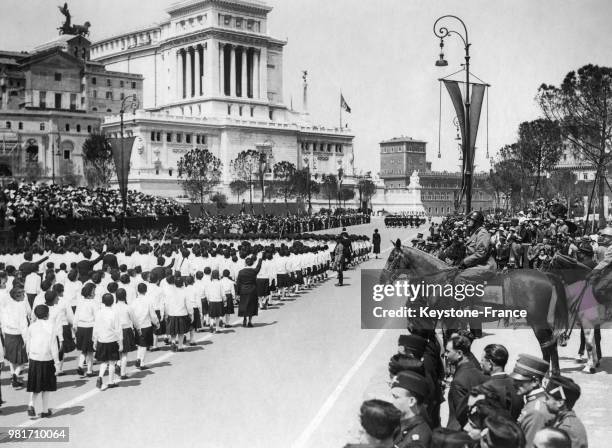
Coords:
pixel 366 189
pixel 246 166
pixel 505 177
pixel 98 165
pixel 329 187
pixel 220 200
pixel 540 147
pixel 305 186
pixel 582 106
pixel 33 171
pixel 284 172
pixel 238 186
pixel 347 194
pixel 201 172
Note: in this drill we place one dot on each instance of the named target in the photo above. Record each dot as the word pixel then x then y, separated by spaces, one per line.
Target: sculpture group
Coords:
pixel 68 28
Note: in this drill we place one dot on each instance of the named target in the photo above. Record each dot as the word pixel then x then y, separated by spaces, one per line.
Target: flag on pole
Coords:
pixel 343 104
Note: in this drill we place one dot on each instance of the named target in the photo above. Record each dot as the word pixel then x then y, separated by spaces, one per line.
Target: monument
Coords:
pixel 401 200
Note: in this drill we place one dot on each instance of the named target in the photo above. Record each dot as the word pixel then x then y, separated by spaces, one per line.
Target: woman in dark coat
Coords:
pixel 246 288
pixel 376 242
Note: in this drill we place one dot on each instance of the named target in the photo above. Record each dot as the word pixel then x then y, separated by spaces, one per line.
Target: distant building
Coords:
pixel 400 156
pixel 51 99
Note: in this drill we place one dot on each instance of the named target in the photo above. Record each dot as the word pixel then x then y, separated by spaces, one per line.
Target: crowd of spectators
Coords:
pixel 38 200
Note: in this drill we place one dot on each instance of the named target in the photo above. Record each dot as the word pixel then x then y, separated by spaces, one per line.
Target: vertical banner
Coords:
pixel 121 156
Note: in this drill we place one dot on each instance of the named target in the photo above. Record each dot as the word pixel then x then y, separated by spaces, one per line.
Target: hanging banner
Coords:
pixel 478 90
pixel 121 156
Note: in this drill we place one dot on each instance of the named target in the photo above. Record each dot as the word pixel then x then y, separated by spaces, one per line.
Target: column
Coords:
pixel 233 70
pixel 197 72
pixel 221 69
pixel 243 73
pixel 189 73
pixel 179 75
pixel 263 74
pixel 255 75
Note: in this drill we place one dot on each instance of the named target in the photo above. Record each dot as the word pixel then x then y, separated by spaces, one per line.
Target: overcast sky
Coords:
pixel 381 54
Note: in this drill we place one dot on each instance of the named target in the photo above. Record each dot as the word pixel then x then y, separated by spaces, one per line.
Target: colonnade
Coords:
pixel 230 70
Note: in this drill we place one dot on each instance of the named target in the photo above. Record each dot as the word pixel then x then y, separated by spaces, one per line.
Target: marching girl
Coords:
pixel 127 321
pixel 108 340
pixel 215 297
pixel 194 304
pixel 179 314
pixel 263 281
pixel 84 319
pixel 201 296
pixel 228 289
pixel 14 328
pixel 157 298
pixel 41 341
pixel 146 320
pixel 205 305
pixel 4 298
pixel 72 289
pixel 61 312
pixel 283 279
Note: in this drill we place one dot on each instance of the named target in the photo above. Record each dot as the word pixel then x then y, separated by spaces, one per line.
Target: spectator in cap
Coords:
pixel 561 396
pixel 494 359
pixel 458 350
pixel 501 432
pixel 528 373
pixel 552 438
pixel 409 390
pixel 380 420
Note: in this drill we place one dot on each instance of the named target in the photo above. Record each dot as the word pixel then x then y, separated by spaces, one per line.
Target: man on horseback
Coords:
pixel 605 239
pixel 478 264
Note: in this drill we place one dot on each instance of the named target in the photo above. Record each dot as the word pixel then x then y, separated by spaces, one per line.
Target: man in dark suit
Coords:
pixel 466 376
pixel 110 259
pixel 493 363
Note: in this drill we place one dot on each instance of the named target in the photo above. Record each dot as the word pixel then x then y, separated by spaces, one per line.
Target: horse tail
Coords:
pixel 561 314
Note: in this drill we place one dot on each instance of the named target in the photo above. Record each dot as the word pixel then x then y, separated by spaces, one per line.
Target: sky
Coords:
pixel 380 54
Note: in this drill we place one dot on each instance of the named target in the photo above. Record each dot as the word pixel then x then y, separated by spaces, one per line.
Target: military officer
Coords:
pixel 528 373
pixel 478 264
pixel 409 390
pixel 561 395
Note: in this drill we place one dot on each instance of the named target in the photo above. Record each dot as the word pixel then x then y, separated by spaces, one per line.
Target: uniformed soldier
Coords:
pixel 528 373
pixel 380 420
pixel 478 265
pixel 561 395
pixel 409 390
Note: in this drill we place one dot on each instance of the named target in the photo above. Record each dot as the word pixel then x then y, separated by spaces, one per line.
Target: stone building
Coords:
pixel 213 77
pixel 49 104
pixel 401 156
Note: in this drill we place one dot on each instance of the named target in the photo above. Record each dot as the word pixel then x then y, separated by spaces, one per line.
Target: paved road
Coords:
pixel 295 380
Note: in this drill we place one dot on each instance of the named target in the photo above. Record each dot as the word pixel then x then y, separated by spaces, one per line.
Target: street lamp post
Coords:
pixel 134 105
pixel 306 162
pixel 442 33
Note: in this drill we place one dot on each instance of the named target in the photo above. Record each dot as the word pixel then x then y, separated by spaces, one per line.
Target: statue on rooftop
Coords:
pixel 68 28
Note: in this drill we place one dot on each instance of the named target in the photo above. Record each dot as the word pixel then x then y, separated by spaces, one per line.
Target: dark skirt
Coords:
pixel 283 280
pixel 299 278
pixel 84 341
pixel 107 351
pixel 41 377
pixel 273 285
pixel 197 319
pixel 178 325
pixel 263 287
pixel 249 305
pixel 216 309
pixel 376 248
pixel 68 344
pixel 129 340
pixel 204 307
pixel 229 304
pixel 162 324
pixel 14 349
pixel 145 337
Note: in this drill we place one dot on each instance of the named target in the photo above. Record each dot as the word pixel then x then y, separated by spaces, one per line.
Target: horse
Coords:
pixel 533 291
pixel 584 308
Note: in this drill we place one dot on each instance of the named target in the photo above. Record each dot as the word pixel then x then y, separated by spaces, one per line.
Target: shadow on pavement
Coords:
pixel 264 324
pixel 74 383
pixel 74 410
pixel 8 410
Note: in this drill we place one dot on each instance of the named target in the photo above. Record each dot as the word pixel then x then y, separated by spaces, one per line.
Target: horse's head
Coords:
pixel 412 263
